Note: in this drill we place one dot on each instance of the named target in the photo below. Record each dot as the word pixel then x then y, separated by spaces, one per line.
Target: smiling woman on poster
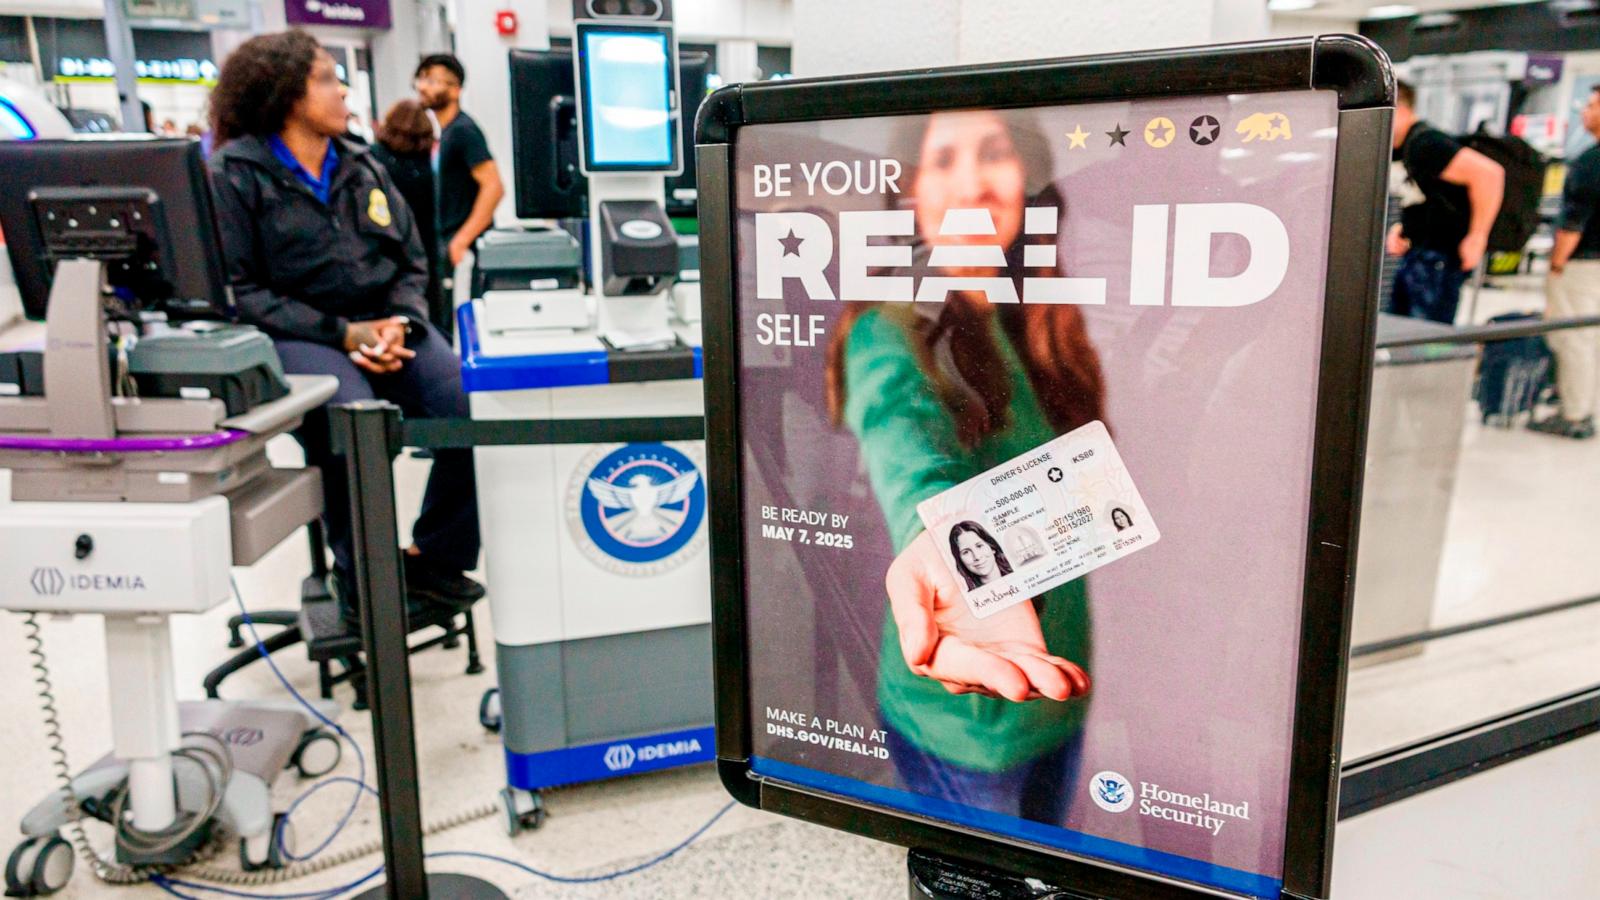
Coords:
pixel 978 555
pixel 990 712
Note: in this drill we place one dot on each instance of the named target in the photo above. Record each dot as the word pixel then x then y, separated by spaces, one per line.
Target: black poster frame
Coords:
pixel 1359 74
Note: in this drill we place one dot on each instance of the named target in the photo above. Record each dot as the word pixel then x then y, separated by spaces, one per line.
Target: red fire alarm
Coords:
pixel 505 22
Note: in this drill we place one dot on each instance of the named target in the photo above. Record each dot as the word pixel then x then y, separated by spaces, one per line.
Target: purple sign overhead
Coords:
pixel 1543 69
pixel 343 13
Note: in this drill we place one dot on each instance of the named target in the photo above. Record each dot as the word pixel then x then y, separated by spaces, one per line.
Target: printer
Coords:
pixel 235 364
pixel 529 280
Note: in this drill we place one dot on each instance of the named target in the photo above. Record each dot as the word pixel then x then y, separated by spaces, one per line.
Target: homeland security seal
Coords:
pixel 637 509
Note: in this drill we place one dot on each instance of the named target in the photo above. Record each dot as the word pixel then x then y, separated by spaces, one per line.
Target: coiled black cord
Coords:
pixel 216 765
pixel 216 762
pixel 105 870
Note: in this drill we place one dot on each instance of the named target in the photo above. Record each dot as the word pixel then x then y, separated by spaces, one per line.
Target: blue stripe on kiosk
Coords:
pixel 609 759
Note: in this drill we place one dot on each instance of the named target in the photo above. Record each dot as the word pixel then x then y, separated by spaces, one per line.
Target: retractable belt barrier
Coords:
pixel 1405 771
pixel 1434 634
pixel 1393 775
pixel 449 434
pixel 1483 334
pixel 1480 334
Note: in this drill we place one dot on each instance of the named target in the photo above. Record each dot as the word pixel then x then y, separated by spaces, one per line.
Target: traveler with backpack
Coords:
pixel 1573 289
pixel 1450 195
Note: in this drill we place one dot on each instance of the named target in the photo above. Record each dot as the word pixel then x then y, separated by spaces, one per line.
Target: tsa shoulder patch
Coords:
pixel 378 208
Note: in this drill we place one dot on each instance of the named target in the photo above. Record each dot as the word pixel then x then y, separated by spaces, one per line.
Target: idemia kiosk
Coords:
pixel 595 552
pixel 933 624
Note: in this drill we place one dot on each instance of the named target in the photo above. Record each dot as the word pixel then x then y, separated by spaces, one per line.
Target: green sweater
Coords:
pixel 909 442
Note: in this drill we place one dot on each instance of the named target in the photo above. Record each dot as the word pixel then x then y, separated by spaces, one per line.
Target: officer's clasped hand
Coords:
pixel 379 345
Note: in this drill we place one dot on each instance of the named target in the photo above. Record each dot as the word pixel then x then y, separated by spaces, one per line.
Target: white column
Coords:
pixel 487 97
pixel 1282 26
pixel 736 60
pixel 837 37
pixel 840 36
pixel 144 714
pixel 266 16
pixel 119 47
pixel 1239 20
pixel 395 53
pixel 433 31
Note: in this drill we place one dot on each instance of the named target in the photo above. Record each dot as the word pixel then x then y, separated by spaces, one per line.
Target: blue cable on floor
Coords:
pixel 361 758
pixel 588 879
pixel 173 885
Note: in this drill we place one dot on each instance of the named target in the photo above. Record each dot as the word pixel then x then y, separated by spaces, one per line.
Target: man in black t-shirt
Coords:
pixel 1573 289
pixel 468 179
pixel 1449 197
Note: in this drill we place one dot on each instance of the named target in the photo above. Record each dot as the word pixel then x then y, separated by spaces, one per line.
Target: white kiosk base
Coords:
pixel 598 576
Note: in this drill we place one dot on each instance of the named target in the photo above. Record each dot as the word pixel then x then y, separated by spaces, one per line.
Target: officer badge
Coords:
pixel 378 209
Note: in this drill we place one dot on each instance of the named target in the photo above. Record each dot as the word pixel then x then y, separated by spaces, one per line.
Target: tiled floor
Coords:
pixel 1522 532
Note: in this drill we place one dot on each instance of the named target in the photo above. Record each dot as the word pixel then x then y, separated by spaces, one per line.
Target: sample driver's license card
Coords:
pixel 1055 513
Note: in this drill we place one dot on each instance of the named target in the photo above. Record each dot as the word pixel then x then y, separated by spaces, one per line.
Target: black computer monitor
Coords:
pixel 142 206
pixel 544 134
pixel 694 67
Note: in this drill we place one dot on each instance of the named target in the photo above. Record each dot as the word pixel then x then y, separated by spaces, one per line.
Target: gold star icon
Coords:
pixel 1076 137
pixel 1159 132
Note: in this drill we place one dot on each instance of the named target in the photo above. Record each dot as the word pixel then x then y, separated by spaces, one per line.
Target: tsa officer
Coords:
pixel 325 257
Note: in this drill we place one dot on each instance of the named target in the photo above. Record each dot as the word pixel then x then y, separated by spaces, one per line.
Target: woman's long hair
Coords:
pixel 1062 366
pixel 260 83
pixel 406 129
pixel 1000 561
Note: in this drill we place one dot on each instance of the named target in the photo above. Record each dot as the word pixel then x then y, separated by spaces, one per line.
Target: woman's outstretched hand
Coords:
pixel 1002 655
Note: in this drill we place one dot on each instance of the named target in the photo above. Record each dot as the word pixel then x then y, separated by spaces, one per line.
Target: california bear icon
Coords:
pixel 1264 126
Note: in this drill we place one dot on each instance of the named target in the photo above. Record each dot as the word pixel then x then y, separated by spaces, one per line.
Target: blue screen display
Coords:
pixel 628 93
pixel 13 123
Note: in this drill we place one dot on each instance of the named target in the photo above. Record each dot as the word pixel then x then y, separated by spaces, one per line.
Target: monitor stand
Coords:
pixel 935 877
pixel 77 375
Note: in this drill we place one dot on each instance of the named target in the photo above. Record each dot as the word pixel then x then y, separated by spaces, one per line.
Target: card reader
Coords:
pixel 638 248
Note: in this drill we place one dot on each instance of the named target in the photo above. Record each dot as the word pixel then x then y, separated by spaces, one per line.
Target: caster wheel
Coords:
pixel 522 810
pixel 489 712
pixel 318 754
pixel 266 851
pixel 39 867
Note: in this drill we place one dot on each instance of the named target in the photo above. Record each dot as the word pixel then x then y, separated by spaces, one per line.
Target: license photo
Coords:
pixel 1040 520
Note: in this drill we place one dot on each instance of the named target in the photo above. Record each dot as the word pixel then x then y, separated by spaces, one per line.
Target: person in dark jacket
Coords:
pixel 325 257
pixel 405 147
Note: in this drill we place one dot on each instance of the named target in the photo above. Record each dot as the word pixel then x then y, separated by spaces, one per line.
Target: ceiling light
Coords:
pixel 1290 5
pixel 1391 11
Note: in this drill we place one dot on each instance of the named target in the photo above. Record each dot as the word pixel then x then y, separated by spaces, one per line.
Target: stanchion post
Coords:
pixel 367 433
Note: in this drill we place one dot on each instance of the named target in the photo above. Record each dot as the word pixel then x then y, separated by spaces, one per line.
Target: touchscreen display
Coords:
pixel 1027 408
pixel 627 84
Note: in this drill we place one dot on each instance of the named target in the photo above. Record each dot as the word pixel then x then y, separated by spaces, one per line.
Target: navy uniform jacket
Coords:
pixel 302 269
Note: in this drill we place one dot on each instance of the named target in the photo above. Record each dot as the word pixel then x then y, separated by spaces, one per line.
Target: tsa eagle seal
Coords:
pixel 637 509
